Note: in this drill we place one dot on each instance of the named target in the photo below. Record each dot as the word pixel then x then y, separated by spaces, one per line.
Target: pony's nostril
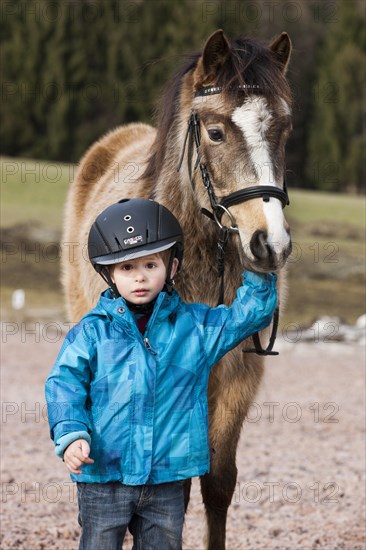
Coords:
pixel 288 250
pixel 259 245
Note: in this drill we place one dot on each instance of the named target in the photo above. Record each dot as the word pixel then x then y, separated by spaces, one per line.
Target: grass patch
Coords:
pixel 33 191
pixel 310 299
pixel 326 269
pixel 42 304
pixel 308 207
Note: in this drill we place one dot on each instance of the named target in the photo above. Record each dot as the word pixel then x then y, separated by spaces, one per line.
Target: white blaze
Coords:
pixel 254 118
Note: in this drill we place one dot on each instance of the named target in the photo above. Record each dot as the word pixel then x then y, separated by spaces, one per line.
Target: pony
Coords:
pixel 217 161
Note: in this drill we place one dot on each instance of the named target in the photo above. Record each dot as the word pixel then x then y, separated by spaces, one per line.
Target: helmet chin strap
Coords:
pixel 169 282
pixel 104 273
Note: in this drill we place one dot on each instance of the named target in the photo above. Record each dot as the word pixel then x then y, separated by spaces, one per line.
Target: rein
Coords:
pixel 193 137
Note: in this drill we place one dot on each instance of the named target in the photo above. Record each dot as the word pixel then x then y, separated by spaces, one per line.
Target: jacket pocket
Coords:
pixel 199 448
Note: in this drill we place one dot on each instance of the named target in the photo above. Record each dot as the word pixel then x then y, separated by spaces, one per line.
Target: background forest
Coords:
pixel 72 70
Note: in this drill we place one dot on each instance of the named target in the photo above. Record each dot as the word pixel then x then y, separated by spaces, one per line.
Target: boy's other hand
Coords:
pixel 76 454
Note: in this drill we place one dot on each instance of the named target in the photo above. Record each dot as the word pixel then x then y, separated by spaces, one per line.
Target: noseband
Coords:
pixel 219 208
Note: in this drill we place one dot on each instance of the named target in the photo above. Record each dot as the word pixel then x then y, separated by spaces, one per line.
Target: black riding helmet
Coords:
pixel 130 229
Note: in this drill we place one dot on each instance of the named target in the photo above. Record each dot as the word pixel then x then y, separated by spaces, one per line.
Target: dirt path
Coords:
pixel 301 461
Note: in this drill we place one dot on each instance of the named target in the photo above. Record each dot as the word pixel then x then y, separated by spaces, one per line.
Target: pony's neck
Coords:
pixel 175 191
pixel 172 186
pixel 199 277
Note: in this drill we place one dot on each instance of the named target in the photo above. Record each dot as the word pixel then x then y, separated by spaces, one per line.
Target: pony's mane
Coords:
pixel 252 64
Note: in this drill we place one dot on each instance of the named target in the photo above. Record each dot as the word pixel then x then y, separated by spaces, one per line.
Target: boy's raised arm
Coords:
pixel 252 310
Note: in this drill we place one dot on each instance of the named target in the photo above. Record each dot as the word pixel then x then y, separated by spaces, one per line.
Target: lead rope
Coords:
pixel 221 245
pixel 193 133
pixel 258 349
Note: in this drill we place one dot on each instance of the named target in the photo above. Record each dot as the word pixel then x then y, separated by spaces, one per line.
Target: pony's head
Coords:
pixel 240 102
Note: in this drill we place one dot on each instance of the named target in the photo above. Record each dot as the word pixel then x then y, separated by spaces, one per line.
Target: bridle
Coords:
pixel 219 208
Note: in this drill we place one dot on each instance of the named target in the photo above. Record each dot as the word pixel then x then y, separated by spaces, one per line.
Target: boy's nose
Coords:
pixel 140 276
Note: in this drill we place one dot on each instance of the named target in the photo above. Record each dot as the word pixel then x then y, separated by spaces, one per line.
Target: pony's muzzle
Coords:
pixel 268 254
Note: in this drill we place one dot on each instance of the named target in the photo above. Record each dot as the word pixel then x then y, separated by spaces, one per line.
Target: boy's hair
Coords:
pixel 165 256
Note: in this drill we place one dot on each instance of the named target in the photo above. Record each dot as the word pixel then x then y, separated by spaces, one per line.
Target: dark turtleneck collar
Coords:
pixel 142 313
pixel 143 309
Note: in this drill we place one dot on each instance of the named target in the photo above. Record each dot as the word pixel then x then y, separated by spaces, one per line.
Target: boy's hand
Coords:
pixel 76 454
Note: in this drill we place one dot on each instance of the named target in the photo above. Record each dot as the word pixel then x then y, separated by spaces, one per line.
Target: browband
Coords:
pixel 211 90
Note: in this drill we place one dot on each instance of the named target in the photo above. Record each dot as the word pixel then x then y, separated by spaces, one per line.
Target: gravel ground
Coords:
pixel 301 457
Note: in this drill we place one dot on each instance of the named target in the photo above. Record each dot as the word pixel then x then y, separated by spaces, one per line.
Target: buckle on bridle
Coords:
pixel 217 217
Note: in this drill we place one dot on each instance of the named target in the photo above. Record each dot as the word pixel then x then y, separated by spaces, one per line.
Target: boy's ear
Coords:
pixel 175 265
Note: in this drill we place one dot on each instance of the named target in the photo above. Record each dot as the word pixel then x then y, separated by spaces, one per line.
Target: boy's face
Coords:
pixel 140 280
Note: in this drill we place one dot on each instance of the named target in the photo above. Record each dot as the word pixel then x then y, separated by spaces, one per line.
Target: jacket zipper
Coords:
pixel 150 323
pixel 148 346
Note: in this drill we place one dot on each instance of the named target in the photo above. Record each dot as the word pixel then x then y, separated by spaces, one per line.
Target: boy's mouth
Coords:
pixel 140 291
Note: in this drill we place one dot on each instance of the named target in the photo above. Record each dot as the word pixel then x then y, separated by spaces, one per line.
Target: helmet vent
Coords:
pixel 130 229
pixel 127 218
pixel 117 241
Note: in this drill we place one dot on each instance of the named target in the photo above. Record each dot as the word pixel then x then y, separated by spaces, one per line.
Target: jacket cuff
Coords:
pixel 67 439
pixel 260 279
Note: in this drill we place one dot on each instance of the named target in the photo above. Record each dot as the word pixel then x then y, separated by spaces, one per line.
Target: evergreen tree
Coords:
pixel 22 122
pixel 337 138
pixel 73 70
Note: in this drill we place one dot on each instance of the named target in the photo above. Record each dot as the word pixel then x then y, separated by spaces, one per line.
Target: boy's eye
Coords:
pixel 151 265
pixel 126 267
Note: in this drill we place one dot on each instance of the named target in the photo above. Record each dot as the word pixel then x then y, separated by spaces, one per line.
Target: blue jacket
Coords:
pixel 141 400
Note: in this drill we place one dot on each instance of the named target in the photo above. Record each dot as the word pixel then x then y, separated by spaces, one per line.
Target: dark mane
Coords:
pixel 254 64
pixel 251 63
pixel 166 110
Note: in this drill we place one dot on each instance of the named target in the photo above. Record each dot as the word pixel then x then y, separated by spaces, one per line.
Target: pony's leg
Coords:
pixel 231 391
pixel 217 489
pixel 187 492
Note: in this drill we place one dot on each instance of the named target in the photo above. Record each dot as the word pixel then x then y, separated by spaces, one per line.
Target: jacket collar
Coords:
pixel 117 309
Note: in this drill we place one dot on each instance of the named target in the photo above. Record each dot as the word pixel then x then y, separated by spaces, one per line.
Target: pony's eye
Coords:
pixel 215 134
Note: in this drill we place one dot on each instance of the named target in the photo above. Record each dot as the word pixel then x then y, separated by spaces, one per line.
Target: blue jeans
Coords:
pixel 154 515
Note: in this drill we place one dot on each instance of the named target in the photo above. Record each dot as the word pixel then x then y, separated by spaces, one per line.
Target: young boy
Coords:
pixel 127 396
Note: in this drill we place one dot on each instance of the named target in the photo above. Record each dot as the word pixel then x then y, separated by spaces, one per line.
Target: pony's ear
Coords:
pixel 215 53
pixel 281 46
